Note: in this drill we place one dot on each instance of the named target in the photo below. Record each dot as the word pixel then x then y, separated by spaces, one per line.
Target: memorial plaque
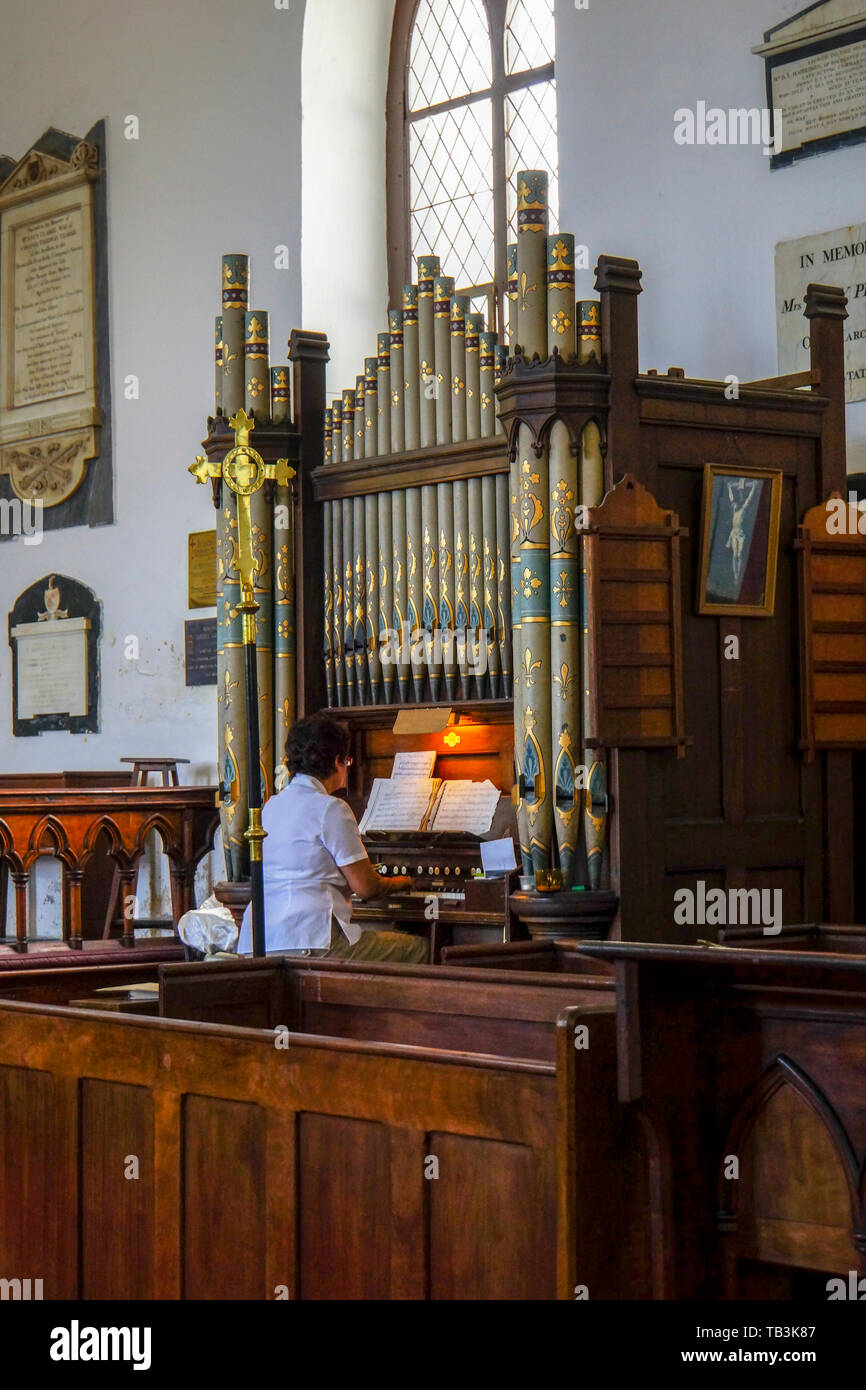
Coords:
pixel 202 569
pixel 55 422
pixel 816 78
pixel 54 631
pixel 50 314
pixel 830 258
pixel 201 651
pixel 52 667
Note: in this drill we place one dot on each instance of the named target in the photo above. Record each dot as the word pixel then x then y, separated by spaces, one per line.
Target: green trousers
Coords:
pixel 395 946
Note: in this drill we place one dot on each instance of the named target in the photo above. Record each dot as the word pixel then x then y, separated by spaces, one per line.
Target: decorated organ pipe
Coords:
pixel 461 584
pixel 412 385
pixel 491 602
pixel 359 564
pixel 476 588
pixel 371 407
pixel 447 597
pixel 595 792
pixel 396 398
pixel 386 596
pixel 338 614
pixel 371 594
pixel 253 396
pixel 430 563
pixel 337 432
pixel 360 444
pixel 428 270
pixel 383 398
pixel 457 373
pixel 474 326
pixel 566 692
pixel 486 378
pixel 421 607
pixel 503 585
pixel 257 367
pixel 415 583
pixel 512 296
pixel 442 295
pixel 281 396
pixel 400 561
pixel 533 733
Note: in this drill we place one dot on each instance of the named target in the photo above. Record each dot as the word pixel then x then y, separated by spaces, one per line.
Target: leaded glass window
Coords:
pixel 479 103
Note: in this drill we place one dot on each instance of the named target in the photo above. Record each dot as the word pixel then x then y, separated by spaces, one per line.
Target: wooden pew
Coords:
pixel 462 1010
pixel 331 1169
pixel 59 986
pixel 558 957
pixel 756 1056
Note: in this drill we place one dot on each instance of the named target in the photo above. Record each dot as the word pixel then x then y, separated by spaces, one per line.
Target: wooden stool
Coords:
pixel 166 766
pixel 141 768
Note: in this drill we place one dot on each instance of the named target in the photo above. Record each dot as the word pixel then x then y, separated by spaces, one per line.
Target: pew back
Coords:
pixel 330 1169
pixel 473 1010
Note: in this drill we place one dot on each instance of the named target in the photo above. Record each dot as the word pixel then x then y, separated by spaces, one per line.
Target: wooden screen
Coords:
pixel 635 632
pixel 832 556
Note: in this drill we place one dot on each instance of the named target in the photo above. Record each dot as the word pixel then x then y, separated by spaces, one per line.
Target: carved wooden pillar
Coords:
pixel 21 880
pixel 618 281
pixel 826 310
pixel 128 876
pixel 74 879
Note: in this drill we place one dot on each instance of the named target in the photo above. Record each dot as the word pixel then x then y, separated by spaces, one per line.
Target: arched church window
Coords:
pixel 472 100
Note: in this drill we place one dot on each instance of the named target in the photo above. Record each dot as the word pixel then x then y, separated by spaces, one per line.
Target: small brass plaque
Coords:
pixel 202 569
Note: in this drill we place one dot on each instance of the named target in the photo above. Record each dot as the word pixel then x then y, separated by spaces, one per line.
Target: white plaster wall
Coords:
pixel 216 87
pixel 345 262
pixel 702 221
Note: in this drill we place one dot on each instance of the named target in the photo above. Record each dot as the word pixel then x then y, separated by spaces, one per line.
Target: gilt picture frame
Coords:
pixel 740 522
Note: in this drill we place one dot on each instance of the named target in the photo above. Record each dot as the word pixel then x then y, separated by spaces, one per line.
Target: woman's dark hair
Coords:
pixel 314 744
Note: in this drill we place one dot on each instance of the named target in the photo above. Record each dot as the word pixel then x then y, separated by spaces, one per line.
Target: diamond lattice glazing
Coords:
pixel 530 118
pixel 451 157
pixel 530 35
pixel 451 54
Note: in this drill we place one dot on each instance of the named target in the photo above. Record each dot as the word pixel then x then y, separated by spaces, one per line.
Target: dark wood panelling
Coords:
pixel 481 1184
pixel 116 1211
pixel 345 1208
pixel 224 1230
pixel 27 1124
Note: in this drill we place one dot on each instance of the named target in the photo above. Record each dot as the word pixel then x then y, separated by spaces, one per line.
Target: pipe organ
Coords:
pixel 452 557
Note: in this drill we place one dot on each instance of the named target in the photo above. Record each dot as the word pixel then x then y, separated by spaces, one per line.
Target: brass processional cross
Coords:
pixel 244 472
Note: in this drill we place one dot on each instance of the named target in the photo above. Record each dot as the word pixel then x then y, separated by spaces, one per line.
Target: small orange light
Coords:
pixel 452 740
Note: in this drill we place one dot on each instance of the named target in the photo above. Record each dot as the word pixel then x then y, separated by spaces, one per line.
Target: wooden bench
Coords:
pixel 333 1168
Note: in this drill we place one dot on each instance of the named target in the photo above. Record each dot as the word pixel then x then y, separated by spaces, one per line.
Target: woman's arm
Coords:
pixel 365 883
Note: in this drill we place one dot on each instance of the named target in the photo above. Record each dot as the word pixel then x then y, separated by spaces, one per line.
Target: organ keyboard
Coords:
pixel 452 902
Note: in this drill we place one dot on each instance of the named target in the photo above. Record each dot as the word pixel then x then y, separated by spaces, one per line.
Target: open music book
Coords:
pixel 411 803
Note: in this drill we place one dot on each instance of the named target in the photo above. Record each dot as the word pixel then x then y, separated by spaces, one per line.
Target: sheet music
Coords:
pixel 467 806
pixel 414 764
pixel 399 803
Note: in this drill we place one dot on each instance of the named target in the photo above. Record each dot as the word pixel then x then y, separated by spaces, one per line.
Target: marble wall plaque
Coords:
pixel 54 631
pixel 830 258
pixel 816 78
pixel 55 421
pixel 52 319
pixel 52 667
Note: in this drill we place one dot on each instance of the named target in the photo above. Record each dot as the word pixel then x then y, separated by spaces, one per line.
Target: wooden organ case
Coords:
pixel 727 796
pixel 406 523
